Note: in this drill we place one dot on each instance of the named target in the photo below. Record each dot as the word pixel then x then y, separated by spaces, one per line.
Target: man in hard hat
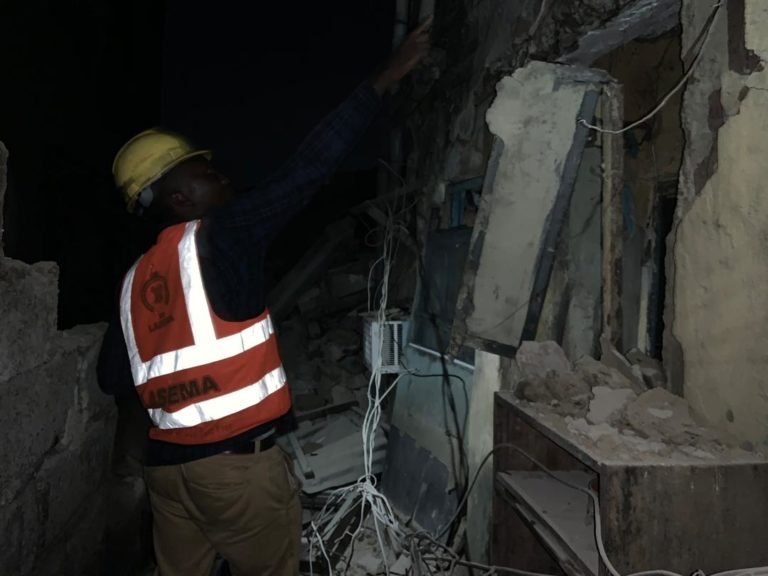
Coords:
pixel 196 342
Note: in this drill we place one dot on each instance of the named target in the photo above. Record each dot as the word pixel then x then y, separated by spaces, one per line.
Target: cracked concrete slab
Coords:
pixel 640 19
pixel 535 117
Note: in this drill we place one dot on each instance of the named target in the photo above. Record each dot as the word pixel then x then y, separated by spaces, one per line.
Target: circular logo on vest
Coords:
pixel 156 298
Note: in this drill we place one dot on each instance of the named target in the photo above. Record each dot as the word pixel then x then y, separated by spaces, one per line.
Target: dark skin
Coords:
pixel 194 188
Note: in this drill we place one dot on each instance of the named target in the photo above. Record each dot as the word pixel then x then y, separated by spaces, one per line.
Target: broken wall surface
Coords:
pixel 475 45
pixel 717 303
pixel 57 429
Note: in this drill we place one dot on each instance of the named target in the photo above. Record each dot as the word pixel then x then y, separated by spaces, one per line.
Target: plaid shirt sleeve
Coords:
pixel 233 240
pixel 260 212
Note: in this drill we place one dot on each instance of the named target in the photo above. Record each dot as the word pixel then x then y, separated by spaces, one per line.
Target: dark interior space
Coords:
pixel 383 288
pixel 244 79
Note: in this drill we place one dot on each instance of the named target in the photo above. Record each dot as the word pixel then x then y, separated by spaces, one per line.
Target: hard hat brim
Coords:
pixel 208 154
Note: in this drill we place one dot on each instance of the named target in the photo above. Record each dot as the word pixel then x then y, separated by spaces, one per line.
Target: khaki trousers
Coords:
pixel 243 506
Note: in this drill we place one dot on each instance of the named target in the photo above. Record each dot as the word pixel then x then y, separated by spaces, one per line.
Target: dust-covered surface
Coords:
pixel 534 115
pixel 599 412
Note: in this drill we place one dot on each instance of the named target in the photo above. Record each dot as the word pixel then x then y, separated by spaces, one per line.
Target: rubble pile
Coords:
pixel 323 360
pixel 614 404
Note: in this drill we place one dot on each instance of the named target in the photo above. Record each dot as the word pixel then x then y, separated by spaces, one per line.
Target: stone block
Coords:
pixel 79 551
pixel 90 402
pixel 28 305
pixel 70 479
pixel 537 359
pixel 20 530
pixel 33 417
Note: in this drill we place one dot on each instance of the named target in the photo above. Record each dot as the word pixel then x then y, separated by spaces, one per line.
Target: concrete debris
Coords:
pixel 367 557
pixel 611 440
pixel 346 282
pixel 334 452
pixel 565 392
pixel 595 373
pixel 340 343
pixel 614 359
pixel 608 404
pixel 311 267
pixel 641 19
pixel 658 414
pixel 651 369
pixel 536 359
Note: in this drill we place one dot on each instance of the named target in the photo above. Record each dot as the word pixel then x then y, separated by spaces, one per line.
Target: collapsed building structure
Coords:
pixel 545 351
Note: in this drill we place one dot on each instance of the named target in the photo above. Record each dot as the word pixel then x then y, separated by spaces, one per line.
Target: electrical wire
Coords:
pixel 757 571
pixel 364 492
pixel 707 34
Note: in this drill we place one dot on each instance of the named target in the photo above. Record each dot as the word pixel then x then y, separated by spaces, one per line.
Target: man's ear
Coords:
pixel 180 200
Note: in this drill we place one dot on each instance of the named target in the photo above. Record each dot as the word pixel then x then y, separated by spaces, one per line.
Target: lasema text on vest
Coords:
pixel 181 391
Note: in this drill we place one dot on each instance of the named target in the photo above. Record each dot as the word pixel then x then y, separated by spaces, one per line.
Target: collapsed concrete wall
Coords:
pixel 716 297
pixel 57 428
pixel 475 45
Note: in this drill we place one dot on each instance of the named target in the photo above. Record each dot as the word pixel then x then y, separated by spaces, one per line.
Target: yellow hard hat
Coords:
pixel 148 156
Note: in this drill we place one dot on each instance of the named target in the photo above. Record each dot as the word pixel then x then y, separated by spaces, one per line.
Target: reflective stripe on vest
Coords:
pixel 206 349
pixel 221 407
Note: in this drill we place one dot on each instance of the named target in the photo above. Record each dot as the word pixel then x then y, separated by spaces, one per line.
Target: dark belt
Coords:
pixel 252 447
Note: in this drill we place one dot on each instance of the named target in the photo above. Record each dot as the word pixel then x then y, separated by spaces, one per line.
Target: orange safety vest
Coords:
pixel 201 378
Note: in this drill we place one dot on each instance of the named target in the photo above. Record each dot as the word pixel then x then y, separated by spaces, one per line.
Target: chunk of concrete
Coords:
pixel 90 402
pixel 565 392
pixel 78 551
pixel 608 404
pixel 595 373
pixel 342 394
pixel 651 369
pixel 614 359
pixel 28 306
pixel 537 359
pixel 660 415
pixel 534 116
pixel 72 477
pixel 20 523
pixel 36 405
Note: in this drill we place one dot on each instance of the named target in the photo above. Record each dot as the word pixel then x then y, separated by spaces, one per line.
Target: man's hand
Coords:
pixel 406 57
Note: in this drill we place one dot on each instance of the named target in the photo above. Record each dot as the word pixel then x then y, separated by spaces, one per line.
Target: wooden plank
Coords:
pixel 563 517
pixel 612 106
pixel 685 518
pixel 543 442
pixel 656 514
pixel 513 543
pixel 516 427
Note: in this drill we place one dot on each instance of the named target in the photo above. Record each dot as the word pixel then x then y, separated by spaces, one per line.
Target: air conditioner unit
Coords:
pixel 384 343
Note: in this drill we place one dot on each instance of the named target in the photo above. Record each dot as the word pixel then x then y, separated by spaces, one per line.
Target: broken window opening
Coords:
pixel 647 69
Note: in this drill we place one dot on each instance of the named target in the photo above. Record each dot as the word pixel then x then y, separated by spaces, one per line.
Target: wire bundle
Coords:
pixel 364 492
